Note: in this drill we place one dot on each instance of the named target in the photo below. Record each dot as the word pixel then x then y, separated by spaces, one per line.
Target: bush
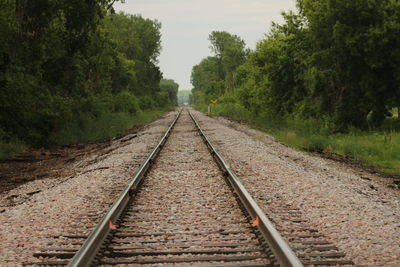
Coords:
pixel 233 110
pixel 146 102
pixel 125 101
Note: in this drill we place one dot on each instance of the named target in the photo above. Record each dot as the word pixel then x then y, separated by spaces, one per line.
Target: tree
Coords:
pixel 352 61
pixel 333 60
pixel 216 75
pixel 171 88
pixel 206 81
pixel 230 52
pixel 65 60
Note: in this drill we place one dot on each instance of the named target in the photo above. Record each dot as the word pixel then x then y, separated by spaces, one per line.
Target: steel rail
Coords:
pixel 283 253
pixel 87 253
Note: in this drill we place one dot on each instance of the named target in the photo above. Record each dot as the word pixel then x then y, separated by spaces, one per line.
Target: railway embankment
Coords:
pixel 314 203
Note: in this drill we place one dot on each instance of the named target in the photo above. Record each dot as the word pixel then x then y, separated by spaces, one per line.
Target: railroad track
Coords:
pixel 183 211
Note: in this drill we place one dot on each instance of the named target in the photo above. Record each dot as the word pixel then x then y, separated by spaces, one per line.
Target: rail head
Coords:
pixel 86 254
pixel 283 253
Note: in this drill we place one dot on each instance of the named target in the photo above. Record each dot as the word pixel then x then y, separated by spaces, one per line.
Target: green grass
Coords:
pixel 381 150
pixel 10 149
pixel 378 148
pixel 85 129
pixel 231 110
pixel 375 147
pixel 104 127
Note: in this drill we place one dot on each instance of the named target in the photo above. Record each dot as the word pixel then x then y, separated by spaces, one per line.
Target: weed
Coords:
pixel 376 147
pixel 86 128
pixel 107 125
pixel 11 149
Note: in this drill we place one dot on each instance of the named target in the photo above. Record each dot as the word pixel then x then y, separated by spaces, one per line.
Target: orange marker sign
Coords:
pixel 111 225
pixel 256 221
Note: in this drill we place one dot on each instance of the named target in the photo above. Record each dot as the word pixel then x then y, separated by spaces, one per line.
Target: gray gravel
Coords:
pixel 23 228
pixel 359 216
pixel 185 206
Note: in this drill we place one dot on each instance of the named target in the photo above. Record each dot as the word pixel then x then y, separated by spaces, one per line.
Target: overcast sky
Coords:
pixel 186 25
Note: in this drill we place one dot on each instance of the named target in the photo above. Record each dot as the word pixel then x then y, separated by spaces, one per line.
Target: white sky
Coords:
pixel 186 25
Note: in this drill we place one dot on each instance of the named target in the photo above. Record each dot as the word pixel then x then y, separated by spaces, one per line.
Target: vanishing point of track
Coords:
pixel 183 211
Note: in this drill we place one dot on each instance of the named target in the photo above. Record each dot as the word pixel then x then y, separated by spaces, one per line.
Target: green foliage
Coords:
pixel 9 146
pixel 87 128
pixel 229 53
pixel 169 93
pixel 378 147
pixel 334 61
pixel 231 110
pixel 206 81
pixel 125 101
pixel 352 61
pixel 216 75
pixel 10 149
pixel 325 80
pixel 66 63
pixel 138 44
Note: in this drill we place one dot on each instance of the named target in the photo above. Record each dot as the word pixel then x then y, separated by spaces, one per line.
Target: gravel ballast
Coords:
pixel 184 213
pixel 24 227
pixel 354 210
pixel 361 216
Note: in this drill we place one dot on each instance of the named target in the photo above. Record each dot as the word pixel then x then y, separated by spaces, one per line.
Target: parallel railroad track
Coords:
pixel 183 211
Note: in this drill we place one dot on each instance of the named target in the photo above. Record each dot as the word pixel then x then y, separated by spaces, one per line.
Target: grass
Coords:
pixel 10 149
pixel 231 110
pixel 380 149
pixel 86 129
pixel 104 127
pixel 375 147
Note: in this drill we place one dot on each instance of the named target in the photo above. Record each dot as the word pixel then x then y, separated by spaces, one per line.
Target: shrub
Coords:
pixel 233 110
pixel 125 101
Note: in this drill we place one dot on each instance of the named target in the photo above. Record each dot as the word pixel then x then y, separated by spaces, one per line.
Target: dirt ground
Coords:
pixel 52 166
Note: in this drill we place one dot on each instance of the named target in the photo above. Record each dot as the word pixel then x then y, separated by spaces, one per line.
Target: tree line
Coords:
pixel 336 61
pixel 64 60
